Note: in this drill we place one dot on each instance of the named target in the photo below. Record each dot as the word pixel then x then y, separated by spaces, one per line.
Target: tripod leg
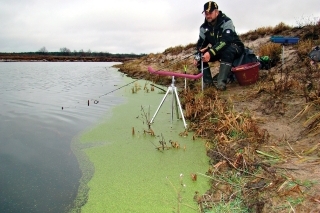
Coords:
pixel 172 103
pixel 177 98
pixel 176 103
pixel 169 89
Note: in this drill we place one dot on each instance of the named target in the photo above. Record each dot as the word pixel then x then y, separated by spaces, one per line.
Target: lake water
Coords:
pixel 43 106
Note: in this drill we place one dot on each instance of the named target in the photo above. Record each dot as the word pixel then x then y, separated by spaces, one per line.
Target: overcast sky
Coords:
pixel 132 26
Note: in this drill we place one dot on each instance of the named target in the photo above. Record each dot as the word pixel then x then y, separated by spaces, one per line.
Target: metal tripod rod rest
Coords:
pixel 173 89
pixel 175 101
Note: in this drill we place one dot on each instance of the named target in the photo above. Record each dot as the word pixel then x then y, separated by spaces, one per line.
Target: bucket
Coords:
pixel 247 74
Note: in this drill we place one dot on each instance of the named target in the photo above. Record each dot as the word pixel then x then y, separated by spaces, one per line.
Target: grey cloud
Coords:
pixel 129 26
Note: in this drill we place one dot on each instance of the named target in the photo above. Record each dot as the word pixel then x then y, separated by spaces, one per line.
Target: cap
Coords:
pixel 209 6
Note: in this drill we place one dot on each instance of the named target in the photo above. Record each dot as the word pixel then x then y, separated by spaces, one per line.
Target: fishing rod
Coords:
pixel 166 66
pixel 197 55
pixel 95 101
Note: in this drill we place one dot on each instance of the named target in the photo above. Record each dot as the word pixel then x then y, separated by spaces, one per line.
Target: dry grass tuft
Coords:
pixel 281 27
pixel 265 31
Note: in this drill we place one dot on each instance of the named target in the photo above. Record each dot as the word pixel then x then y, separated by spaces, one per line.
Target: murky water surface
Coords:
pixel 38 171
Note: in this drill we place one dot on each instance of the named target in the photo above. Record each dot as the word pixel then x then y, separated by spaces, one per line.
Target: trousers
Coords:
pixel 226 56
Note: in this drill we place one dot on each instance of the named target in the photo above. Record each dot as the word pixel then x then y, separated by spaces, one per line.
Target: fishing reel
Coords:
pixel 197 56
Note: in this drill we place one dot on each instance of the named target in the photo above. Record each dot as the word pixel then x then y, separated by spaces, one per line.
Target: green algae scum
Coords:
pixel 123 171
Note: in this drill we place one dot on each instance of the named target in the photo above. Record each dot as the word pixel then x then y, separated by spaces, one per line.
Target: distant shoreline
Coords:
pixel 66 57
pixel 62 59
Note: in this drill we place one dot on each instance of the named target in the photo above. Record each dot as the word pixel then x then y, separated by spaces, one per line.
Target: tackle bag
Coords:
pixel 247 56
pixel 315 54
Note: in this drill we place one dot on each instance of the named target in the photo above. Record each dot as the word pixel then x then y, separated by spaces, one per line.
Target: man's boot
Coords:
pixel 224 71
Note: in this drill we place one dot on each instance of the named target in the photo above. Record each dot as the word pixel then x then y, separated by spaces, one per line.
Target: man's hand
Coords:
pixel 204 49
pixel 206 57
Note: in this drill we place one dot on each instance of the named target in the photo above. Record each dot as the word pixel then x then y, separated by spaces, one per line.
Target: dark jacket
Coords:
pixel 218 36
